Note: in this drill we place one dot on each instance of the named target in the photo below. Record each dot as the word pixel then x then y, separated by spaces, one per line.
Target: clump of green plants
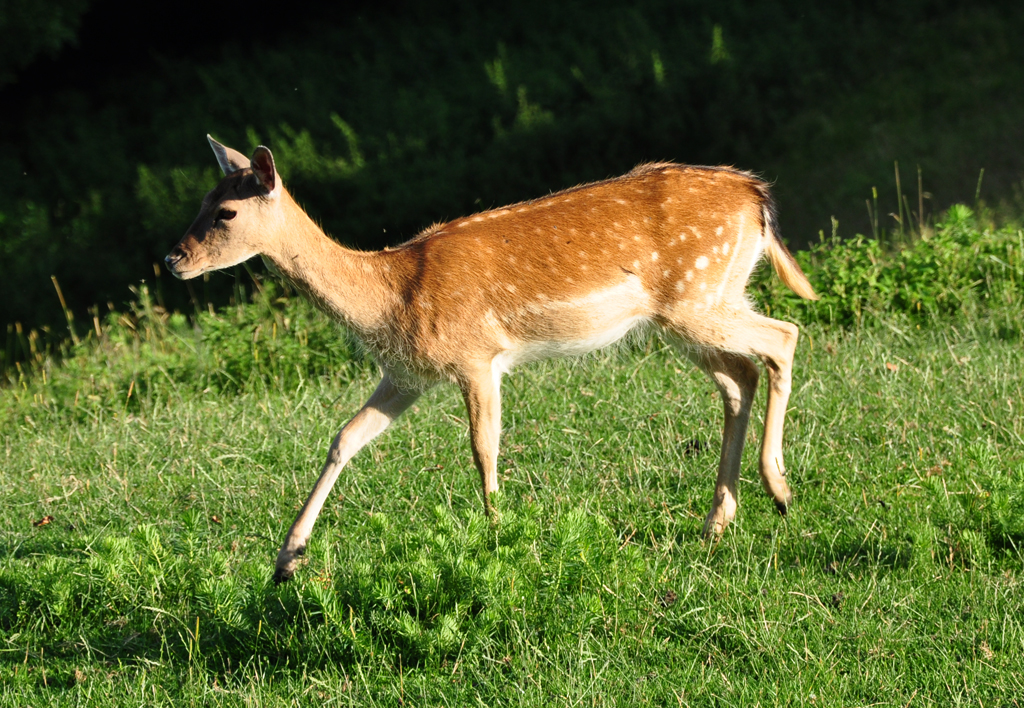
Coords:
pixel 959 268
pixel 460 585
pixel 981 523
pixel 275 339
pixel 452 587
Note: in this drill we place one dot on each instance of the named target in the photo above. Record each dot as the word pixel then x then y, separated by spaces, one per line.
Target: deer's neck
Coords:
pixel 353 287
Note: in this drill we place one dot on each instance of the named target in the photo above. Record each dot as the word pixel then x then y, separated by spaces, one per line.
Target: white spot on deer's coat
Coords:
pixel 725 248
pixel 689 275
pixel 654 256
pixel 636 264
pixel 718 231
pixel 701 263
pixel 680 286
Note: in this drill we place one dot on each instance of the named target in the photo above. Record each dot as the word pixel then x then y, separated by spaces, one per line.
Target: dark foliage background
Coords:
pixel 385 117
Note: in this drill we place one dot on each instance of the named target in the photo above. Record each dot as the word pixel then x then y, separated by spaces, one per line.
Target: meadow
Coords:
pixel 149 475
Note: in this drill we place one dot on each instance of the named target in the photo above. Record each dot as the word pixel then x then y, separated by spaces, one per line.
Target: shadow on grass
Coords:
pixel 843 554
pixel 66 543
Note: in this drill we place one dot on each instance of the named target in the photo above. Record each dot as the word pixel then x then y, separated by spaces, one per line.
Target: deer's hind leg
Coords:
pixel 736 377
pixel 737 331
pixel 775 344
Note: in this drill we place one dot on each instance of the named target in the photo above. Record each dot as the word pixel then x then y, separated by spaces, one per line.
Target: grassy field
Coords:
pixel 149 477
pixel 895 580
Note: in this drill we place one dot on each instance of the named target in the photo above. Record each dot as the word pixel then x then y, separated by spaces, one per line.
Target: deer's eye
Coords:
pixel 226 215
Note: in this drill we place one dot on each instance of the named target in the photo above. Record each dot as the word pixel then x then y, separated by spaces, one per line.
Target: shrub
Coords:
pixel 959 268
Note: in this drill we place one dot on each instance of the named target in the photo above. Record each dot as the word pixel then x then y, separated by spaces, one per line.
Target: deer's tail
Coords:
pixel 781 259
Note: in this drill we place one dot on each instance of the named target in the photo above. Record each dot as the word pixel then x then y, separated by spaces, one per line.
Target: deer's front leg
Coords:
pixel 387 403
pixel 482 393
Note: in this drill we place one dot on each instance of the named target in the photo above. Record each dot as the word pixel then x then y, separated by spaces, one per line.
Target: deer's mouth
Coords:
pixel 180 264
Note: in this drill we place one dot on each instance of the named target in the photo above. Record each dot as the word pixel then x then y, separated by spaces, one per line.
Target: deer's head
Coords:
pixel 235 215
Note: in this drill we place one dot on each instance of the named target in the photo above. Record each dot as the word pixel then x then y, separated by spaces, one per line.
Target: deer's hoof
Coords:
pixel 782 505
pixel 283 575
pixel 714 527
pixel 286 564
pixel 723 511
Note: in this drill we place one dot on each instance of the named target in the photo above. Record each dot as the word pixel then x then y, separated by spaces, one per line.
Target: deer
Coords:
pixel 468 300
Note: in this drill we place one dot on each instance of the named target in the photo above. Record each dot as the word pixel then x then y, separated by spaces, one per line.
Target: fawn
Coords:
pixel 562 275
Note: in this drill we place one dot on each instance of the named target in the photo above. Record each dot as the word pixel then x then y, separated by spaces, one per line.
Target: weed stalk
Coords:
pixel 67 312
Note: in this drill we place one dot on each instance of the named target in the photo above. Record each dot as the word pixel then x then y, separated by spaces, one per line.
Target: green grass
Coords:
pixel 172 468
pixel 168 458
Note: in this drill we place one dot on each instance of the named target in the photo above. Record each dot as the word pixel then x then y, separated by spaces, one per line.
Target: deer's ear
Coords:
pixel 228 159
pixel 263 167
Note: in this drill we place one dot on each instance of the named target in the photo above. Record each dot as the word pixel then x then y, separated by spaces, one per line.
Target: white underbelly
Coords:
pixel 574 328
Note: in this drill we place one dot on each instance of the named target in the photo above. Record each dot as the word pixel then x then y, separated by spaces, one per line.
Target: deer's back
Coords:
pixel 577 269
